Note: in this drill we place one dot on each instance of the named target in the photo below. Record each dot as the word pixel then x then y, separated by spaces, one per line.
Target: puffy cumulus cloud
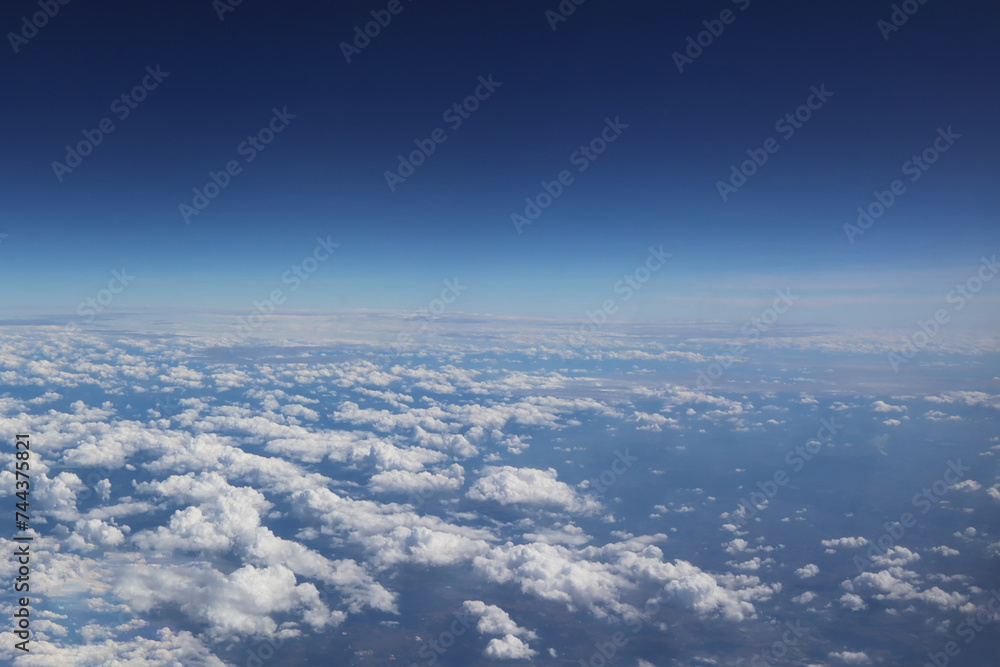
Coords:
pixel 228 519
pixel 55 496
pixel 804 598
pixel 737 545
pixel 103 488
pixel 895 556
pixel 167 648
pixel 554 572
pixel 969 398
pixel 395 399
pixel 356 448
pixel 729 596
pixel 944 551
pixel 752 565
pixel 938 416
pixel 190 530
pixel 967 486
pixel 239 604
pixel 807 571
pixel 110 446
pixel 720 407
pixel 853 602
pixel 91 534
pixel 882 406
pixel 230 378
pixel 845 543
pixel 431 418
pixel 389 532
pixel 892 584
pixel 299 411
pixel 404 481
pixel 850 657
pixel 569 534
pixel 492 620
pixel 439 545
pixel 508 485
pixel 58 573
pixel 597 579
pixel 339 446
pixel 209 452
pixel 994 492
pixel 646 421
pixel 387 456
pixel 183 376
pixel 455 444
pixel 541 411
pixel 508 647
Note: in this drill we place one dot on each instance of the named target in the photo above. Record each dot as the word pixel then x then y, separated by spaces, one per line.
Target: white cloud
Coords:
pixel 893 584
pixel 807 571
pixel 853 602
pixel 895 556
pixel 181 648
pixel 508 485
pixel 241 603
pixel 493 620
pixel 851 657
pixel 844 543
pixel 945 551
pixel 426 483
pixel 508 648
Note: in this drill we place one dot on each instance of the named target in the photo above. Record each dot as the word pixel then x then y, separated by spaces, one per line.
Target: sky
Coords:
pixel 555 84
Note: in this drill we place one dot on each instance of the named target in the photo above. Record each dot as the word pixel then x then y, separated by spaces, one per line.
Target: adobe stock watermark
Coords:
pixel 607 477
pixel 627 287
pixel 924 500
pixel 31 25
pixel 249 149
pixel 581 158
pixel 606 651
pixel 787 125
pixel 565 9
pixel 433 649
pixel 968 630
pixel 901 13
pixel 776 652
pixel 796 459
pixel 294 277
pixel 95 483
pixel 122 106
pixel 914 168
pixel 223 7
pixel 92 306
pixel 262 651
pixel 751 330
pixel 927 330
pixel 381 18
pixel 454 116
pixel 713 29
pixel 449 294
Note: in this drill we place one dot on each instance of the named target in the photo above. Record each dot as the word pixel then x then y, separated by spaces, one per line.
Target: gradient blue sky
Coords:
pixel 655 185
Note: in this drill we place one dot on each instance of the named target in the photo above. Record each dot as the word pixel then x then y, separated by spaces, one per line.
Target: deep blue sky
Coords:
pixel 655 185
